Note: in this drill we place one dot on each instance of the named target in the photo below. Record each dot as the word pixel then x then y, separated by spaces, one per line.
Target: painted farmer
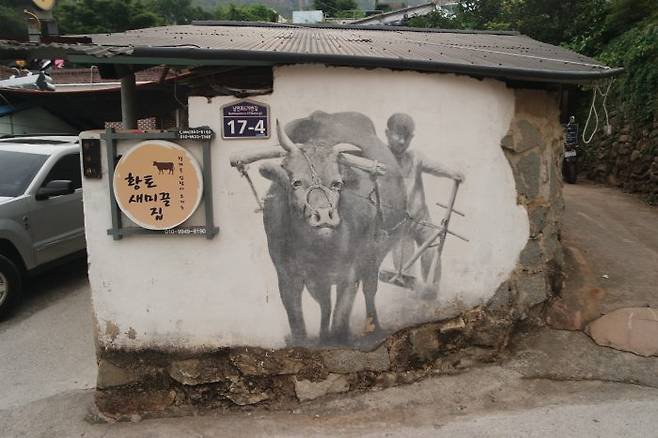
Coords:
pixel 400 132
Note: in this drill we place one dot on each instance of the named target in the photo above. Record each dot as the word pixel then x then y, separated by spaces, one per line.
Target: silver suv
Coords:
pixel 41 218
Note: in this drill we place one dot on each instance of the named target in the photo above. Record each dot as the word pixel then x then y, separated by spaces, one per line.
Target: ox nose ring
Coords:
pixel 323 216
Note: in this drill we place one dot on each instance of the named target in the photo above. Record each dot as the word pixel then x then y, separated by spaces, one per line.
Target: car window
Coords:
pixel 17 170
pixel 68 167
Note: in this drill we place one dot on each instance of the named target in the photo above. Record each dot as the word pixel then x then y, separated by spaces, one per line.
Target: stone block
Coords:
pixel 532 289
pixel 633 329
pixel 528 173
pixel 530 136
pixel 502 299
pixel 537 218
pixel 201 371
pixel 551 241
pixel 425 342
pixel 110 375
pixel 531 256
pixel 554 183
pixel 256 362
pixel 241 394
pixel 399 351
pixel 452 325
pixel 352 361
pixel 507 142
pixel 333 384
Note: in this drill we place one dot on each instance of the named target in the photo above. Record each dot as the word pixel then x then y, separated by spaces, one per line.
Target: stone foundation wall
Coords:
pixel 157 383
pixel 627 159
pixel 151 383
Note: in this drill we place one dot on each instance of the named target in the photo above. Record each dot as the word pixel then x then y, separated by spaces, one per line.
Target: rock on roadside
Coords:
pixel 633 329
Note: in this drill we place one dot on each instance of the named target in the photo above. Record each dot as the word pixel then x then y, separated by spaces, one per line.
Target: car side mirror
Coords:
pixel 56 187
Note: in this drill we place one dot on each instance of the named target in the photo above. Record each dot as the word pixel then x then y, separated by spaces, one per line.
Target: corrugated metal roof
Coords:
pixel 10 48
pixel 496 54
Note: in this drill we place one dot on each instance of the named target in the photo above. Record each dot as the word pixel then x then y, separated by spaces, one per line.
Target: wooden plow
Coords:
pixel 436 240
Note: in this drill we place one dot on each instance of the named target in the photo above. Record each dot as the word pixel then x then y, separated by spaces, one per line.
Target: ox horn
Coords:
pixel 284 140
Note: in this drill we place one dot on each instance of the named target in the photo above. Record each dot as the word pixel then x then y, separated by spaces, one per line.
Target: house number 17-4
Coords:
pixel 244 119
pixel 240 126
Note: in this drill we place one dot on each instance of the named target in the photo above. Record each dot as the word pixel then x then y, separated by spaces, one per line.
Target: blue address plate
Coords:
pixel 245 119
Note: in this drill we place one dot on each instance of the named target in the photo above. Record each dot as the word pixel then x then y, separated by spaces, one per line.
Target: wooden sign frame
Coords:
pixel 118 230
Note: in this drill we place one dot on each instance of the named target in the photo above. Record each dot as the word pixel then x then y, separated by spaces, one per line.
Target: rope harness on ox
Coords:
pixel 317 185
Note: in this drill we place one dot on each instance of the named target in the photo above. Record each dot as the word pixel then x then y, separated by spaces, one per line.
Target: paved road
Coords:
pixel 618 234
pixel 47 347
pixel 47 363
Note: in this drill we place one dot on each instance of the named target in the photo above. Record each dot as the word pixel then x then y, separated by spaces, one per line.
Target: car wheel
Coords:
pixel 10 285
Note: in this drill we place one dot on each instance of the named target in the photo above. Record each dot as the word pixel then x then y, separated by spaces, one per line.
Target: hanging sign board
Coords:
pixel 245 119
pixel 158 184
pixel 571 134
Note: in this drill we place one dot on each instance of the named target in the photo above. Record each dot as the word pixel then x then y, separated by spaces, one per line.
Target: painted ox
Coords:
pixel 329 221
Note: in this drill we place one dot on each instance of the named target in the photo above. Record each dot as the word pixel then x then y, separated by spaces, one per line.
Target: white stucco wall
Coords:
pixel 196 293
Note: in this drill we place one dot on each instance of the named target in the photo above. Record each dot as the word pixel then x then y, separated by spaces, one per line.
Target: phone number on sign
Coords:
pixel 186 231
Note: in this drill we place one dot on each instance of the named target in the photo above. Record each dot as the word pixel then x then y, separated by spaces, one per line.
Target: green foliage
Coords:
pixel 99 16
pixel 618 32
pixel 346 5
pixel 179 11
pixel 437 19
pixel 246 13
pixel 338 8
pixel 551 21
pixel 637 51
pixel 12 23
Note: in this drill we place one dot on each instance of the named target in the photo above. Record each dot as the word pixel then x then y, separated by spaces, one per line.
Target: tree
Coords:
pixel 336 8
pixel 551 21
pixel 100 16
pixel 179 11
pixel 437 19
pixel 346 5
pixel 246 13
pixel 326 6
pixel 12 21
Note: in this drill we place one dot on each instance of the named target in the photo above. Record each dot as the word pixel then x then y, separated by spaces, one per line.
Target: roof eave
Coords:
pixel 242 57
pixel 194 56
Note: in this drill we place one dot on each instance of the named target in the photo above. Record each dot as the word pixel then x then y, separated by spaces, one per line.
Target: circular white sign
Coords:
pixel 158 184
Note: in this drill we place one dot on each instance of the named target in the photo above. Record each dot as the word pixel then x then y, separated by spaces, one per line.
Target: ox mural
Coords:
pixel 340 201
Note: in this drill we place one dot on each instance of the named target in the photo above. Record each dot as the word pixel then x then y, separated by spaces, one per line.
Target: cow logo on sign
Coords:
pixel 158 184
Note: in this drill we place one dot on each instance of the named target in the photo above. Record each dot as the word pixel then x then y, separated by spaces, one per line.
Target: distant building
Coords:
pixel 307 17
pixel 401 15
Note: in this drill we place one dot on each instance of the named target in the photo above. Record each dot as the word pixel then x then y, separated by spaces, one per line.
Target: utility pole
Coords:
pixel 128 101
